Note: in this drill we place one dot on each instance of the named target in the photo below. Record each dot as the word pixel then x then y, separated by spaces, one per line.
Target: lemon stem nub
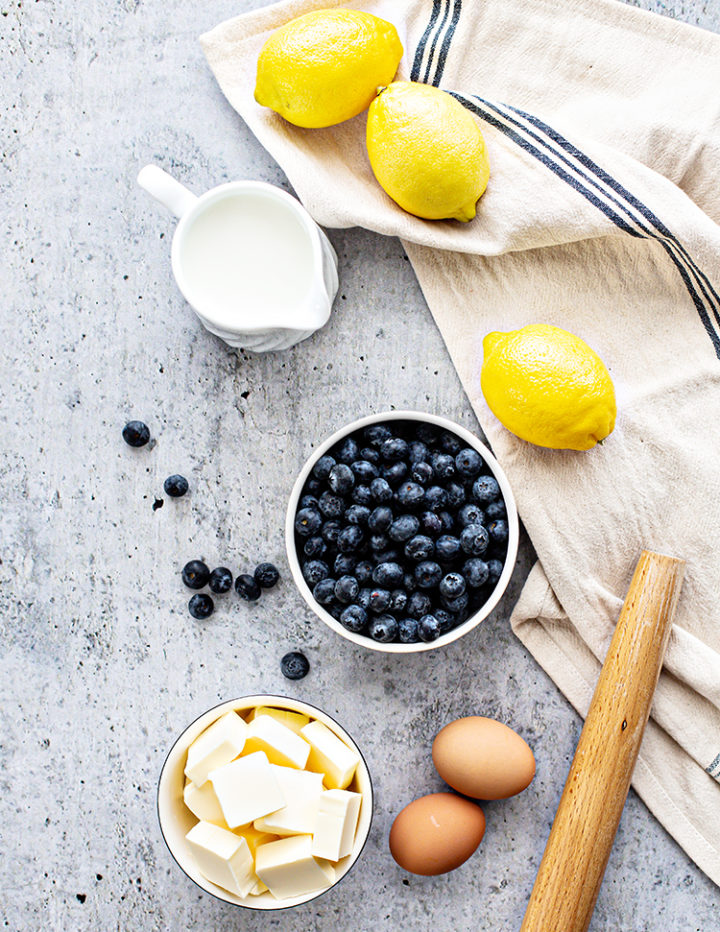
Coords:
pixel 379 90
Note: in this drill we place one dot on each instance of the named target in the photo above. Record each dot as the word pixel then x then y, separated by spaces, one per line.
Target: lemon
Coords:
pixel 426 151
pixel 548 387
pixel 324 67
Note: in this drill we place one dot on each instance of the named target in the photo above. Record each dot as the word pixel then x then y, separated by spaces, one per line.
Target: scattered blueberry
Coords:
pixel 354 618
pixel 294 666
pixel 201 606
pixel 220 580
pixel 176 486
pixel 383 628
pixel 266 575
pixel 195 574
pixel 136 434
pixel 247 588
pixel 429 628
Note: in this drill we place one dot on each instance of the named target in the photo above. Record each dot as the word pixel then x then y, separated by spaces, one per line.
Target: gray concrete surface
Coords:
pixel 101 665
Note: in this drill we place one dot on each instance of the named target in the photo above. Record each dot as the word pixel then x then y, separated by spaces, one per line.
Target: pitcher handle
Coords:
pixel 166 189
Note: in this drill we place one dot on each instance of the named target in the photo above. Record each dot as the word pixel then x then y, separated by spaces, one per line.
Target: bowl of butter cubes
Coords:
pixel 265 802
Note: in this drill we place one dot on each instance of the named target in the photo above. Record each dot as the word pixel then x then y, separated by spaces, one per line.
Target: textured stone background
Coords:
pixel 101 666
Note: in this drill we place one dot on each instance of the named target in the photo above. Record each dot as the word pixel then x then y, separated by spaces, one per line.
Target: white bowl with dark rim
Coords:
pixel 512 521
pixel 176 820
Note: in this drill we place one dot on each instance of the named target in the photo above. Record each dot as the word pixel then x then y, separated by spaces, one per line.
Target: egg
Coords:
pixel 482 758
pixel 436 833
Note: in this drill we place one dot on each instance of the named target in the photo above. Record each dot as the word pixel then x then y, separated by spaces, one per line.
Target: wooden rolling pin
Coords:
pixel 587 818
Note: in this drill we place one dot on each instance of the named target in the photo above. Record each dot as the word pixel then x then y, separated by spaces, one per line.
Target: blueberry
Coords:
pixel 443 465
pixel 455 495
pixel 308 501
pixel 436 498
pixel 458 604
pixel 452 585
pixel 408 631
pixel 377 434
pixel 498 531
pixel 380 490
pixel 422 472
pixel 364 471
pixel 428 574
pixel 344 564
pixel 175 486
pixel 195 574
pixel 410 495
pixel 363 598
pixel 409 583
pixel 349 539
pixel 354 618
pixel 247 588
pixel 379 542
pixel 331 506
pixel 370 455
pixel 447 619
pixel 429 628
pixel 398 601
pixel 419 604
pixel 485 490
pixel 476 572
pixel 468 463
pixel 496 510
pixel 363 571
pixel 294 666
pixel 313 571
pixel 403 528
pixel 427 433
pixel 470 514
pixel 447 548
pixel 395 473
pixel 266 575
pixel 321 469
pixel 220 580
pixel 362 495
pixel 430 523
pixel 346 589
pixel 388 575
pixel 201 606
pixel 451 443
pixel 379 600
pixel 383 628
pixel 394 449
pixel 447 521
pixel 380 519
pixel 314 547
pixel 419 548
pixel 308 522
pixel 495 569
pixel 347 452
pixel 330 531
pixel 417 451
pixel 474 540
pixel 341 479
pixel 136 434
pixel 324 591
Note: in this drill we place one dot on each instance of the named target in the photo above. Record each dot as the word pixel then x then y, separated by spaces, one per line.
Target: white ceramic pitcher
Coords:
pixel 250 260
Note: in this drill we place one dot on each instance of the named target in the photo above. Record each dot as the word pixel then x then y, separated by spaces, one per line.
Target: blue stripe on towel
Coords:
pixel 434 42
pixel 714 768
pixel 420 51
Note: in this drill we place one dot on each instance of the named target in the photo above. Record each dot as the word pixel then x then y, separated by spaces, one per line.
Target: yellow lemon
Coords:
pixel 426 151
pixel 548 387
pixel 324 67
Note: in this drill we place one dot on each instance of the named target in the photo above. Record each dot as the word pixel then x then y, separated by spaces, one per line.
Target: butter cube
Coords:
pixel 337 819
pixel 254 837
pixel 292 720
pixel 330 756
pixel 222 742
pixel 222 857
pixel 289 869
pixel 282 746
pixel 302 790
pixel 247 789
pixel 203 803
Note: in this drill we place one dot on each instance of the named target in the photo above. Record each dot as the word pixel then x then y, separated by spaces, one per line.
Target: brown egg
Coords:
pixel 436 833
pixel 482 758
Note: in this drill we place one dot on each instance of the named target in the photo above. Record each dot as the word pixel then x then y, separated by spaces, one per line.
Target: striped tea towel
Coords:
pixel 603 130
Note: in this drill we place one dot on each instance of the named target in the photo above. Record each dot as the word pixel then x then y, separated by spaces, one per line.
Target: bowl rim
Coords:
pixel 257 700
pixel 512 520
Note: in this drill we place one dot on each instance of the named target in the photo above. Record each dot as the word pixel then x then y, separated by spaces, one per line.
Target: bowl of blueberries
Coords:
pixel 402 531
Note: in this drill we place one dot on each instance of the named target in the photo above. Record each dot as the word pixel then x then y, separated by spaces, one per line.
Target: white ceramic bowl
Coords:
pixel 176 820
pixel 512 521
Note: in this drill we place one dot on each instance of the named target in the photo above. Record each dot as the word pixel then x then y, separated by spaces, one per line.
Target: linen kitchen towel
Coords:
pixel 602 124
